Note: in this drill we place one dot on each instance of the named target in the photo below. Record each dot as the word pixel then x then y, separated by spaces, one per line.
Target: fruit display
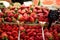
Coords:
pixel 31 32
pixel 25 14
pixel 8 32
pixel 14 18
pixel 53 33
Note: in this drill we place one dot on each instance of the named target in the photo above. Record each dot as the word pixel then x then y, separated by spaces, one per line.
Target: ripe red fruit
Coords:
pixel 15 15
pixel 19 11
pixel 10 14
pixel 25 16
pixel 0 19
pixel 33 14
pixel 39 34
pixel 28 30
pixel 4 34
pixel 20 18
pixel 48 34
pixel 8 19
pixel 11 38
pixel 39 11
pixel 1 14
pixel 31 19
pixel 22 28
pixel 9 33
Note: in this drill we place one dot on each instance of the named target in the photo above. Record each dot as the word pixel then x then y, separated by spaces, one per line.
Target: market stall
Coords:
pixel 32 21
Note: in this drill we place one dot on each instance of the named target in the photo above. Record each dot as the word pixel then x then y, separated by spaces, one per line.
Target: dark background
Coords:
pixel 20 1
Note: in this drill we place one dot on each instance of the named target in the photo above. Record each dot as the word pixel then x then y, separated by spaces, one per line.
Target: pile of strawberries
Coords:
pixel 27 15
pixel 8 32
pixel 31 32
pixel 53 33
pixel 24 14
pixel 35 32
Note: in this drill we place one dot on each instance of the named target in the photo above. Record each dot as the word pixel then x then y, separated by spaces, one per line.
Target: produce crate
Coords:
pixel 8 31
pixel 31 32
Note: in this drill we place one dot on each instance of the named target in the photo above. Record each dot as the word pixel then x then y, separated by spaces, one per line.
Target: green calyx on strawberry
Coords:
pixel 39 3
pixel 36 21
pixel 5 38
pixel 20 17
pixel 31 9
pixel 13 19
pixel 50 38
pixel 2 19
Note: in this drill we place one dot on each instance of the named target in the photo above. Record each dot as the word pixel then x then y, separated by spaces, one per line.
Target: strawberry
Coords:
pixel 1 20
pixel 0 38
pixel 39 11
pixel 19 11
pixel 31 19
pixel 20 18
pixel 14 33
pixel 25 16
pixel 22 28
pixel 15 15
pixel 39 34
pixel 48 34
pixel 26 37
pixel 28 30
pixel 10 14
pixel 33 15
pixel 31 38
pixel 11 38
pixel 4 34
pixel 9 33
pixel 8 19
pixel 23 34
pixel 34 10
pixel 1 14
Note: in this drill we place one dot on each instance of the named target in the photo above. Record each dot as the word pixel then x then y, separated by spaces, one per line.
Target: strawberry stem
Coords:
pixel 5 38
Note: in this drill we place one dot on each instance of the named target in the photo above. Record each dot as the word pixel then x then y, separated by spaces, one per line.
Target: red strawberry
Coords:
pixel 23 11
pixel 22 35
pixel 8 19
pixel 1 20
pixel 33 15
pixel 31 38
pixel 48 34
pixel 9 33
pixel 14 33
pixel 19 11
pixel 4 34
pixel 15 15
pixel 34 10
pixel 1 14
pixel 22 28
pixel 11 38
pixel 39 11
pixel 0 38
pixel 31 19
pixel 26 37
pixel 26 16
pixel 28 30
pixel 39 34
pixel 10 14
pixel 20 18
